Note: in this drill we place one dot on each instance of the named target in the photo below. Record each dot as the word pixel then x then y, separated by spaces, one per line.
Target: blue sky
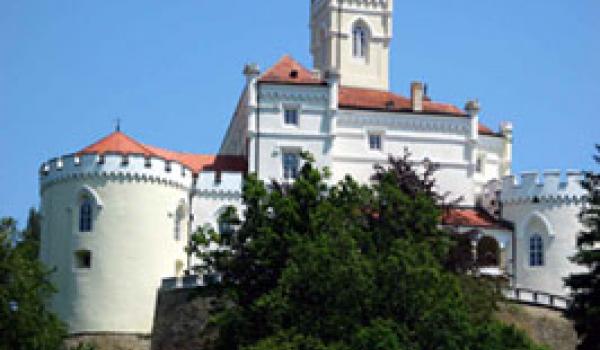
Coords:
pixel 171 70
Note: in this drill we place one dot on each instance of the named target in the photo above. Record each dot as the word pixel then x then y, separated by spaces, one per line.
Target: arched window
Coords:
pixel 85 215
pixel 359 41
pixel 536 250
pixel 488 252
pixel 179 220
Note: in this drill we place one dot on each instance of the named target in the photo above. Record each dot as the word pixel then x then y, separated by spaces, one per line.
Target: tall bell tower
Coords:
pixel 353 37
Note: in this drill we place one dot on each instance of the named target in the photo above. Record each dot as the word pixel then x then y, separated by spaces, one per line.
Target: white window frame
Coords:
pixel 360 41
pixel 379 135
pixel 480 163
pixel 284 173
pixel 76 260
pixel 536 254
pixel 294 108
pixel 85 216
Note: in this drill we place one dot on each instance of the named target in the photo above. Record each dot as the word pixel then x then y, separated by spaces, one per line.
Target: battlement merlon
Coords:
pixel 220 182
pixel 135 167
pixel 385 4
pixel 534 186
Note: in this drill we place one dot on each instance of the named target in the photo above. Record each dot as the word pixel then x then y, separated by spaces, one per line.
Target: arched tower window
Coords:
pixel 536 250
pixel 180 214
pixel 360 41
pixel 86 213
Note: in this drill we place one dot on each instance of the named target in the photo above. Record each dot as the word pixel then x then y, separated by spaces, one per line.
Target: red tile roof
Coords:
pixel 484 130
pixel 357 98
pixel 119 143
pixel 360 98
pixel 471 217
pixel 289 71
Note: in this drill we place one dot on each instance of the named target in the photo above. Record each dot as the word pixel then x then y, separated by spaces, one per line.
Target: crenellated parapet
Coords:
pixel 371 4
pixel 116 167
pixel 533 187
pixel 210 183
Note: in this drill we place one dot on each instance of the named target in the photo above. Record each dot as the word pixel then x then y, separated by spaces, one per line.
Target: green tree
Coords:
pixel 25 324
pixel 347 266
pixel 31 235
pixel 585 286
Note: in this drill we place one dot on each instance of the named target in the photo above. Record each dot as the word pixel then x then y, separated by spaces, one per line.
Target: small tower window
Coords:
pixel 83 259
pixel 536 250
pixel 179 220
pixel 359 41
pixel 479 165
pixel 85 215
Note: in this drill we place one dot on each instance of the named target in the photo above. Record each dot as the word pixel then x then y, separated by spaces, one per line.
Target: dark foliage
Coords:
pixel 585 286
pixel 349 266
pixel 25 323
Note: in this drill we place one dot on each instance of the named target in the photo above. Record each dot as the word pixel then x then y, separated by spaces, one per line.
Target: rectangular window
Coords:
pixel 375 142
pixel 291 164
pixel 479 164
pixel 536 251
pixel 83 259
pixel 290 116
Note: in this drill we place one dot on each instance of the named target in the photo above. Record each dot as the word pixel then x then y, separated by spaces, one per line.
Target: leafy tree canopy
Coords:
pixel 347 266
pixel 25 324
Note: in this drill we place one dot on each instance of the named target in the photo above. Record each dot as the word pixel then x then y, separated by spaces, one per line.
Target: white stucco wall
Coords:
pixel 550 209
pixel 234 142
pixel 132 243
pixel 210 198
pixel 495 160
pixel 442 139
pixel 312 134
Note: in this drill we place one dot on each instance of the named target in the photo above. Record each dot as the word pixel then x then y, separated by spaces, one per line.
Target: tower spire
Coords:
pixel 353 38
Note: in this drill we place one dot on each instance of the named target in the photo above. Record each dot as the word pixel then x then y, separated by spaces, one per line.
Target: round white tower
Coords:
pixel 114 223
pixel 546 222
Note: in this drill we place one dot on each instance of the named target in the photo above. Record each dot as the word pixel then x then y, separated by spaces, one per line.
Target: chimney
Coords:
pixel 316 73
pixel 417 95
pixel 332 76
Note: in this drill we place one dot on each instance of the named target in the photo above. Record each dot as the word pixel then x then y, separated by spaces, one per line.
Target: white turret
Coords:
pixel 113 225
pixel 545 216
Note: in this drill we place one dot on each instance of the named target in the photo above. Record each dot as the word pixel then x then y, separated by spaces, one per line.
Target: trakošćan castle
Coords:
pixel 117 214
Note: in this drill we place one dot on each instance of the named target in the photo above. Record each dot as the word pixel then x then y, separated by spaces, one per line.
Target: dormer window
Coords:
pixel 359 41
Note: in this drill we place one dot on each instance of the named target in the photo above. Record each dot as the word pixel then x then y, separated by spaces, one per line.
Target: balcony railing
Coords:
pixel 537 298
pixel 190 281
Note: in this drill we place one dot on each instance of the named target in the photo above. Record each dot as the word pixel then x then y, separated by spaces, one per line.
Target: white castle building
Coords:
pixel 117 214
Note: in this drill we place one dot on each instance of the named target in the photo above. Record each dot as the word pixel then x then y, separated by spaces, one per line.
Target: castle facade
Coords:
pixel 117 215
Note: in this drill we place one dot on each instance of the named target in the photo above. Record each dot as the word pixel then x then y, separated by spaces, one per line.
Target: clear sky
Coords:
pixel 171 70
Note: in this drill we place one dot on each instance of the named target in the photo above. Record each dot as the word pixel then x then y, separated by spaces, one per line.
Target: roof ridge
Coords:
pixel 116 136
